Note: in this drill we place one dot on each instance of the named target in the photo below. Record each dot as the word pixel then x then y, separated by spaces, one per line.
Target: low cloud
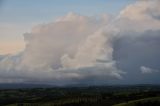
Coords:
pixel 147 70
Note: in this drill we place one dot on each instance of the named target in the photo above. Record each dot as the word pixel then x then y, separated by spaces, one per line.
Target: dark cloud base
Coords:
pixel 132 52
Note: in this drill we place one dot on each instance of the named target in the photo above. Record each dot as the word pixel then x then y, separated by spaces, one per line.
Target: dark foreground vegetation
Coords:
pixel 137 95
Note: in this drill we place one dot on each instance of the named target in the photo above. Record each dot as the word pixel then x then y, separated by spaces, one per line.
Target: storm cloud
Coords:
pixel 77 49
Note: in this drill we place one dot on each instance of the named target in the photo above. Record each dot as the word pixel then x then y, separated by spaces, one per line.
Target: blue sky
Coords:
pixel 19 16
pixel 45 10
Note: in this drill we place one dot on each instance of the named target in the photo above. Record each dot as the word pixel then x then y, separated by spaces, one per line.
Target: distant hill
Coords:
pixel 109 87
pixel 22 86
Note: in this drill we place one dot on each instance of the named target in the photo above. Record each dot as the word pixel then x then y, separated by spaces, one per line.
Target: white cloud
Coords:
pixel 77 49
pixel 59 50
pixel 147 70
pixel 139 16
pixel 66 37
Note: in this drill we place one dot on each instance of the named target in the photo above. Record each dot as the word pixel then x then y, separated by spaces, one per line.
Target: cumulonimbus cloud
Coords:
pixel 77 49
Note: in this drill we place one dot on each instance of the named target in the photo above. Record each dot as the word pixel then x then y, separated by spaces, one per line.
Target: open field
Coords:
pixel 152 101
pixel 82 96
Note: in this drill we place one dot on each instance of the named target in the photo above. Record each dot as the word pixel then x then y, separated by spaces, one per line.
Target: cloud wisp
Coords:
pixel 147 70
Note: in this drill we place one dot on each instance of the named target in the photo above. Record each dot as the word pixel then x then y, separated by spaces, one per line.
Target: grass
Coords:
pixel 134 102
pixel 57 103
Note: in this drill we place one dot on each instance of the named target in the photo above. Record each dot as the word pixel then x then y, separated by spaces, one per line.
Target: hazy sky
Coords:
pixel 80 41
pixel 19 16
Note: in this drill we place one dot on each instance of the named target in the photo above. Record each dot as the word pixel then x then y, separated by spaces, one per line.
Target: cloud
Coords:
pixel 147 70
pixel 65 51
pixel 81 49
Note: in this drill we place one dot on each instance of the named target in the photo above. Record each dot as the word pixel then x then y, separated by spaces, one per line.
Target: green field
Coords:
pixel 82 96
pixel 153 101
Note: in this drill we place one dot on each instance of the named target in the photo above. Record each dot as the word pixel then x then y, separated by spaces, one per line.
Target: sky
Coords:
pixel 19 16
pixel 64 42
